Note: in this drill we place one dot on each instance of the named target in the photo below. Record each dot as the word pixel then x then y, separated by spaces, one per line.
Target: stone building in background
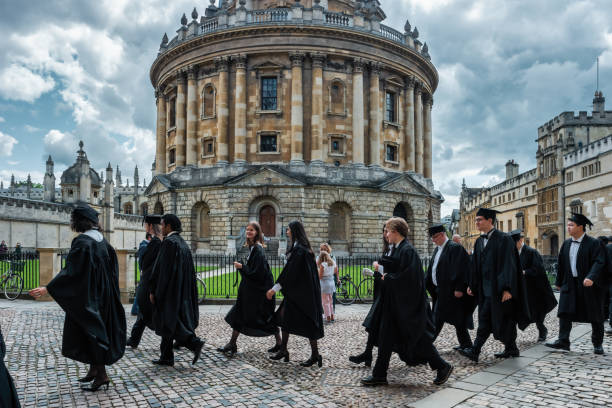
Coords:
pixel 272 110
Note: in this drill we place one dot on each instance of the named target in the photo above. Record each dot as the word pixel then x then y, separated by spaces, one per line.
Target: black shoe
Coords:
pixel 282 354
pixel 308 363
pixel 507 353
pixel 198 351
pixel 443 374
pixel 542 336
pixel 274 349
pixel 598 350
pixel 469 353
pixel 161 362
pixel 362 358
pixel 87 379
pixel 131 343
pixel 228 348
pixel 95 386
pixel 559 345
pixel 374 381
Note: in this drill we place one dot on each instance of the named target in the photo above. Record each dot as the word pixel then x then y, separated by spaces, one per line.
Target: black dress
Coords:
pixel 145 308
pixel 540 296
pixel 8 393
pixel 301 310
pixel 87 289
pixel 252 313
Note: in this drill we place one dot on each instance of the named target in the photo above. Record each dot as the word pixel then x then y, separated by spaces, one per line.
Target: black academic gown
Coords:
pixel 402 312
pixel 452 274
pixel 496 267
pixel 8 393
pixel 87 289
pixel 540 296
pixel 577 302
pixel 149 256
pixel 173 284
pixel 301 310
pixel 252 313
pixel 371 320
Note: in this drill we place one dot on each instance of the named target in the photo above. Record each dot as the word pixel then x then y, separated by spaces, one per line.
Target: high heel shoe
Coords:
pixel 274 349
pixel 362 358
pixel 87 379
pixel 281 355
pixel 231 348
pixel 318 359
pixel 95 386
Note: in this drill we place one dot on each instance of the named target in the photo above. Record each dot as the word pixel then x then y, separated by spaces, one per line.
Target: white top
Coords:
pixel 434 268
pixel 94 234
pixel 328 269
pixel 573 254
pixel 486 240
pixel 381 268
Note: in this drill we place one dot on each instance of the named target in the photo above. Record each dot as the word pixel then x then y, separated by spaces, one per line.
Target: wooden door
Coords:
pixel 267 220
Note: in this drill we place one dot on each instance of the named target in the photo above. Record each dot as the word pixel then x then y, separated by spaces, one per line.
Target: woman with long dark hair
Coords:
pixel 252 313
pixel 88 291
pixel 301 311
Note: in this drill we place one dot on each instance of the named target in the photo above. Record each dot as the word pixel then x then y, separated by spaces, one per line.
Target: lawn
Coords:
pixel 27 269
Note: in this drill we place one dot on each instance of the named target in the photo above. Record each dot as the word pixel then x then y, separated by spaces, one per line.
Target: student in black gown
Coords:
pixel 252 313
pixel 8 393
pixel 173 293
pixel 447 280
pixel 540 296
pixel 147 260
pixel 405 323
pixel 581 280
pixel 370 320
pixel 301 311
pixel 88 291
pixel 499 286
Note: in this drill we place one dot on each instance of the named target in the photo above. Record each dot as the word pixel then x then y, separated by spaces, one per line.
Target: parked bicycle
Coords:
pixel 12 282
pixel 201 287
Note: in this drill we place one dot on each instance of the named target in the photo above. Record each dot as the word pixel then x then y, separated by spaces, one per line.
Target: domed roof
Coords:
pixel 71 174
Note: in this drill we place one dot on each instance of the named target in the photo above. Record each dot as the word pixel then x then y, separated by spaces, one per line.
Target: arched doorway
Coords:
pixel 158 209
pixel 404 210
pixel 267 220
pixel 554 245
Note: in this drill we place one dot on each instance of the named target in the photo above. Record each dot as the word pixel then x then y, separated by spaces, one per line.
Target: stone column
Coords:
pixel 297 108
pixel 222 111
pixel 409 159
pixel 180 119
pixel 316 119
pixel 358 159
pixel 192 117
pixel 160 145
pixel 375 114
pixel 240 114
pixel 126 279
pixel 427 141
pixel 49 266
pixel 418 129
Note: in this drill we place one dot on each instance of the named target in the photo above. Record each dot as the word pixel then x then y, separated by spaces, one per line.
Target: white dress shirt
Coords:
pixel 434 268
pixel 521 249
pixel 573 254
pixel 486 240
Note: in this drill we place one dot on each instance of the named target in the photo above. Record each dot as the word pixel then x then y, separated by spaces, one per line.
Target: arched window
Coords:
pixel 158 209
pixel 144 209
pixel 404 210
pixel 337 98
pixel 201 221
pixel 128 209
pixel 339 222
pixel 208 102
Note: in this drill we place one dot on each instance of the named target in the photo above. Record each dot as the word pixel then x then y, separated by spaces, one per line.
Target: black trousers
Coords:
pixel 485 328
pixel 190 341
pixel 540 325
pixel 137 330
pixel 428 351
pixel 565 327
pixel 463 336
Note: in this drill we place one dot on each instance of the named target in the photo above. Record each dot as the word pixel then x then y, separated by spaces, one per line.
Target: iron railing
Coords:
pixel 26 264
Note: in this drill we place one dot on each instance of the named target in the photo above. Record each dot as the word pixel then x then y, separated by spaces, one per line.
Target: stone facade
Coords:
pixel 318 124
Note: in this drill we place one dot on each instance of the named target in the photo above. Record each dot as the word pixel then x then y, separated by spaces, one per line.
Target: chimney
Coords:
pixel 512 169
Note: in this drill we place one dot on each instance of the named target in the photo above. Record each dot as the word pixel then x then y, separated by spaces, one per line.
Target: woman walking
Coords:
pixel 326 276
pixel 252 313
pixel 300 312
pixel 88 291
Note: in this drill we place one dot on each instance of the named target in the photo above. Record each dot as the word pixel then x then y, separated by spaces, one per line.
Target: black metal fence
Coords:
pixel 26 264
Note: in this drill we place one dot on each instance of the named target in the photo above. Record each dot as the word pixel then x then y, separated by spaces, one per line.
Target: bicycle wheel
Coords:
pixel 346 292
pixel 201 287
pixel 366 289
pixel 13 286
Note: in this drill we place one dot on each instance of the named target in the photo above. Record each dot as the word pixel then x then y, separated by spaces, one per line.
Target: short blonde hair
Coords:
pixel 398 225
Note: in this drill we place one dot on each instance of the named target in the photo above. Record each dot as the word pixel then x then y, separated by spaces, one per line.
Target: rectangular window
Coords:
pixel 514 195
pixel 509 225
pixel 501 225
pixel 584 171
pixel 390 115
pixel 391 153
pixel 570 176
pixel 172 156
pixel 268 93
pixel 597 167
pixel 526 191
pixel 172 115
pixel 590 169
pixel 267 143
pixel 533 189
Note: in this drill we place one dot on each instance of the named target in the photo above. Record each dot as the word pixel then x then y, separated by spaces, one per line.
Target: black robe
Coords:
pixel 577 302
pixel 371 320
pixel 497 267
pixel 8 392
pixel 452 274
pixel 252 313
pixel 301 310
pixel 145 308
pixel 88 291
pixel 540 296
pixel 402 311
pixel 173 284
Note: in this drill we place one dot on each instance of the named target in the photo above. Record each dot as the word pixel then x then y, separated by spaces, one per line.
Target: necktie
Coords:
pixel 575 242
pixel 485 236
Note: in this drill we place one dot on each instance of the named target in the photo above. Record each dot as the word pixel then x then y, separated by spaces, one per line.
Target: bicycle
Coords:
pixel 201 288
pixel 346 292
pixel 12 282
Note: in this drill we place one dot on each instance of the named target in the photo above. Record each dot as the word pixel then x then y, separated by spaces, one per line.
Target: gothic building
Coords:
pixel 274 110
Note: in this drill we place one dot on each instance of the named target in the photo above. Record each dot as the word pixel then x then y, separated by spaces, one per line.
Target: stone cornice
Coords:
pixel 297 58
pixel 240 61
pixel 318 59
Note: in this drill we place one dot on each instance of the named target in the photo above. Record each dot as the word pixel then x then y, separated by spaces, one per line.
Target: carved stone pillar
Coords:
pixel 240 109
pixel 160 145
pixel 297 108
pixel 169 103
pixel 427 140
pixel 358 156
pixel 316 119
pixel 180 119
pixel 375 114
pixel 409 160
pixel 222 110
pixel 418 128
pixel 191 150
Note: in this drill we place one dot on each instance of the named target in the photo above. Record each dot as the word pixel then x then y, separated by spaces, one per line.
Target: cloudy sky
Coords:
pixel 75 69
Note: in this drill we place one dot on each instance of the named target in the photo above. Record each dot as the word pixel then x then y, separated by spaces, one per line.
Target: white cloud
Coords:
pixel 7 142
pixel 20 84
pixel 31 129
pixel 2 119
pixel 61 146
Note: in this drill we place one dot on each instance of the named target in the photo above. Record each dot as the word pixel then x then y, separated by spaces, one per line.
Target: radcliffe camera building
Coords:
pixel 573 174
pixel 276 110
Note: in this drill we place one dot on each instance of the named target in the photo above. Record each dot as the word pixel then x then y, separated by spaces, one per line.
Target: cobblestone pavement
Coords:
pixel 46 379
